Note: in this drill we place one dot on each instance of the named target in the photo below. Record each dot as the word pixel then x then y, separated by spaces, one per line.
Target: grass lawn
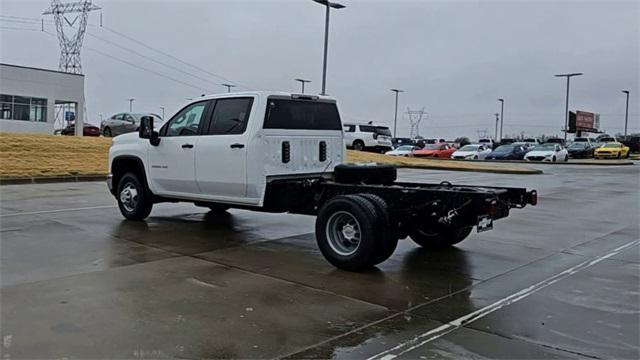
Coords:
pixel 31 155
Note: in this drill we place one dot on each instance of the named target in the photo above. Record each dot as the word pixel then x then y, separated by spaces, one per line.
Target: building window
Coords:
pixel 23 108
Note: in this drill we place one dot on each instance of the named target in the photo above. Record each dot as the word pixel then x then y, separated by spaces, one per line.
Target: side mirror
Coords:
pixel 146 130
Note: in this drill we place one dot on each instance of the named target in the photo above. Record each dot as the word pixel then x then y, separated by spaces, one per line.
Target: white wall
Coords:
pixel 41 83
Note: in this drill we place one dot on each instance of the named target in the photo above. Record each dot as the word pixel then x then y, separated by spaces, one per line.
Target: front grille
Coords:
pixel 459 157
pixel 536 158
pixel 604 152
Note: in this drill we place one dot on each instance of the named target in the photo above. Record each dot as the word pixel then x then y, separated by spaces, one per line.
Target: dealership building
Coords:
pixel 34 100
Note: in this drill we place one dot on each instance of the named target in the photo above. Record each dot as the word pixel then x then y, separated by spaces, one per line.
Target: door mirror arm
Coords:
pixel 147 131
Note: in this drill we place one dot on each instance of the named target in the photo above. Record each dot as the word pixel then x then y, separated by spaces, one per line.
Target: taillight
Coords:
pixel 323 151
pixel 492 207
pixel 533 197
pixel 286 152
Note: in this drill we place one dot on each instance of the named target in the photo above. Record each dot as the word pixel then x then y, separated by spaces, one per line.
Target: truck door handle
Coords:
pixel 187 146
pixel 236 146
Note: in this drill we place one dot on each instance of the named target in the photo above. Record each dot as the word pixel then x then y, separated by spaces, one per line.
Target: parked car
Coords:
pixel 123 123
pixel 87 130
pixel 369 136
pixel 507 141
pixel 507 152
pixel 532 141
pixel 525 145
pixel 489 142
pixel 586 140
pixel 397 142
pixel 633 142
pixel 442 151
pixel 404 150
pixel 548 152
pixel 472 152
pixel 580 150
pixel 611 150
pixel 555 141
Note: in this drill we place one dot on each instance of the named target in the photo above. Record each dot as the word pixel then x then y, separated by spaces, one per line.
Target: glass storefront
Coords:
pixel 23 108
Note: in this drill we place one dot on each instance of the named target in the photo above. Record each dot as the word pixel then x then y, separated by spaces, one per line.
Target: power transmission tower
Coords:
pixel 70 44
pixel 415 116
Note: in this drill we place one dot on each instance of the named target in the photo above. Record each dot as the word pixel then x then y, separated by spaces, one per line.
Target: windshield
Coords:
pixel 469 148
pixel 301 114
pixel 544 147
pixel 405 147
pixel 581 140
pixel 431 147
pixel 485 141
pixel 612 145
pixel 504 148
pixel 577 146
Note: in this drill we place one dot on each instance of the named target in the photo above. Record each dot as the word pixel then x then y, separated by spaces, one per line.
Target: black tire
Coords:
pixel 358 145
pixel 553 158
pixel 566 158
pixel 375 174
pixel 440 238
pixel 388 238
pixel 134 200
pixel 619 155
pixel 358 218
pixel 106 132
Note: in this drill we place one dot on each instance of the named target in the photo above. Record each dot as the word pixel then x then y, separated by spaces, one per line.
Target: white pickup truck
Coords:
pixel 281 152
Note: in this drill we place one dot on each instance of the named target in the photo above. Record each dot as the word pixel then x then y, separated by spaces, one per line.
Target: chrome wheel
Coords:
pixel 344 233
pixel 129 197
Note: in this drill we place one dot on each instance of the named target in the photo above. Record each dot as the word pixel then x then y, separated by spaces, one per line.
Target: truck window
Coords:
pixel 301 114
pixel 350 128
pixel 230 116
pixel 367 128
pixel 186 122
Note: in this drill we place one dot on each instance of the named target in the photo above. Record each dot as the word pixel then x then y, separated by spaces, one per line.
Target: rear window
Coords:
pixel 383 130
pixel 301 114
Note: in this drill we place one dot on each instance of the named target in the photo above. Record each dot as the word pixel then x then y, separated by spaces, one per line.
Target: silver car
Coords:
pixel 125 123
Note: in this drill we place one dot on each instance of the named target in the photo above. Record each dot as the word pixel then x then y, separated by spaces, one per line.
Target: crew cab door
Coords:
pixel 221 155
pixel 172 162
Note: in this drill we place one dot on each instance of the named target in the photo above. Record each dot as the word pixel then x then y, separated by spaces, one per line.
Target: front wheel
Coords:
pixel 358 145
pixel 106 132
pixel 133 199
pixel 439 237
pixel 553 159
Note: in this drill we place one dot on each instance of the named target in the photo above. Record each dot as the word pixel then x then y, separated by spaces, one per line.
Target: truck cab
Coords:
pixel 225 148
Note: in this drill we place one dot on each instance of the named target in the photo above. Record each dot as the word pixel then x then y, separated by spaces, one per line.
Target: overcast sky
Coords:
pixel 454 58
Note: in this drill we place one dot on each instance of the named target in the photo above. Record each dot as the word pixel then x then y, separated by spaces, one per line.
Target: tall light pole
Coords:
pixel 162 108
pixel 501 116
pixel 131 104
pixel 395 117
pixel 497 121
pixel 328 4
pixel 302 81
pixel 626 113
pixel 566 110
pixel 229 86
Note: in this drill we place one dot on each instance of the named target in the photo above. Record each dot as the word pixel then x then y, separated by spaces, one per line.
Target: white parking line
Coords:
pixel 440 331
pixel 57 210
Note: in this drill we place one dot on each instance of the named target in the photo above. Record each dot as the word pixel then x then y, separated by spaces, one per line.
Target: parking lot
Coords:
pixel 560 280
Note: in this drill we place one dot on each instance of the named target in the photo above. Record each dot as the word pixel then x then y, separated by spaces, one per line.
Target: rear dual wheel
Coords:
pixel 439 237
pixel 353 232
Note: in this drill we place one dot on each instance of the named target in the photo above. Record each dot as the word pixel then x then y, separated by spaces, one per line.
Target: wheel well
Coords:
pixel 358 141
pixel 124 164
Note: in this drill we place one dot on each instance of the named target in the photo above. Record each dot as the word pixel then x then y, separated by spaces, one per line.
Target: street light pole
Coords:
pixel 626 113
pixel 229 86
pixel 566 111
pixel 328 4
pixel 131 104
pixel 302 81
pixel 395 117
pixel 162 108
pixel 497 121
pixel 501 116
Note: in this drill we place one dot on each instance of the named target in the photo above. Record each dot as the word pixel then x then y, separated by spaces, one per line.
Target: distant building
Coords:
pixel 36 100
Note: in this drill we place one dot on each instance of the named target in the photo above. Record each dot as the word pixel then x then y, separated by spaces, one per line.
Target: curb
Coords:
pixel 527 171
pixel 51 179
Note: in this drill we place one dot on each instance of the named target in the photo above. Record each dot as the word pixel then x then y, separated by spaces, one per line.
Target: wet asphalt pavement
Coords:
pixel 560 280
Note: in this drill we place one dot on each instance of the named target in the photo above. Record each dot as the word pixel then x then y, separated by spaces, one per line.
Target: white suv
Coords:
pixel 360 137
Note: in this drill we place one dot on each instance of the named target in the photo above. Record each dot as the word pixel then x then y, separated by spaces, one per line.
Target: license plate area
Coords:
pixel 485 223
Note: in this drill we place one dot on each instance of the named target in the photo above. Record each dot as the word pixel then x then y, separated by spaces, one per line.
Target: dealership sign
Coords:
pixel 584 121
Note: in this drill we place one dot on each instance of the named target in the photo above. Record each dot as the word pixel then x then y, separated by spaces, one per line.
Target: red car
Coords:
pixel 441 150
pixel 87 130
